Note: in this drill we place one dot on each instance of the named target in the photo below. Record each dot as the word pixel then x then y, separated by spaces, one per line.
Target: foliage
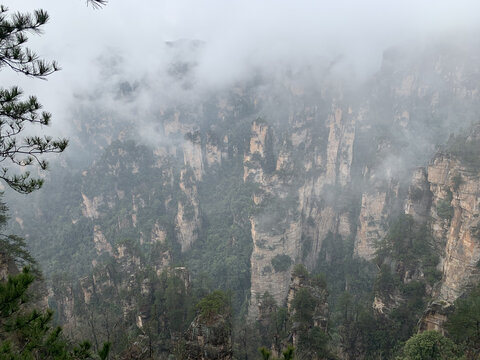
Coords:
pixel 273 323
pixel 429 345
pixel 14 246
pixel 457 181
pixel 300 270
pixel 265 353
pixel 175 303
pixel 410 244
pixel 304 305
pixel 444 209
pixel 355 328
pixel 399 242
pixel 350 311
pixel 313 341
pixel 16 113
pixel 288 353
pixel 97 3
pixel 215 304
pixel 28 334
pixel 281 263
pixel 313 344
pixel 463 325
pixel 319 280
pixel 224 248
pixel 386 282
pixel 465 148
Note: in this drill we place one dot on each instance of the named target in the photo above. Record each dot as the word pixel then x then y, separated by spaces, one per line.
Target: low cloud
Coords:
pixel 125 41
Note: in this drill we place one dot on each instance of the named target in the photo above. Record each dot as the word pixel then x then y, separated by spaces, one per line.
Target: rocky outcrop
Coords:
pixel 90 207
pixel 159 235
pixel 253 159
pixel 215 149
pixel 444 196
pixel 101 243
pixel 296 199
pixel 193 154
pixel 419 197
pixel 275 235
pixel 188 222
pixel 455 223
pixel 266 274
pixel 435 316
pixel 341 136
pixel 378 204
pixel 371 224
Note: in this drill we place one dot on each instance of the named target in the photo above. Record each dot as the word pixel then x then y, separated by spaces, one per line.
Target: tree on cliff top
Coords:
pixel 217 303
pixel 18 150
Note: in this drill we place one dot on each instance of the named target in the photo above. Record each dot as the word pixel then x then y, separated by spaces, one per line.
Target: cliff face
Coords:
pixel 444 198
pixel 295 193
pixel 455 213
pixel 188 215
pixel 372 222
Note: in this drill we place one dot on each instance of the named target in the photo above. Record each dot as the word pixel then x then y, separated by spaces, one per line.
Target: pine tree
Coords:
pixel 97 3
pixel 28 334
pixel 18 113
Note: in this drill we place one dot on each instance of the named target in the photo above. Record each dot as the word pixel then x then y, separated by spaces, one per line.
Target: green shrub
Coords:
pixel 300 270
pixel 445 210
pixel 457 181
pixel 281 263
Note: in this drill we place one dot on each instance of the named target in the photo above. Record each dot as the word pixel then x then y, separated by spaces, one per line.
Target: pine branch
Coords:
pixel 96 4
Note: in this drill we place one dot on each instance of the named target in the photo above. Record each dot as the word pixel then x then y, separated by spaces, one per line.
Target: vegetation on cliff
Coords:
pixel 191 246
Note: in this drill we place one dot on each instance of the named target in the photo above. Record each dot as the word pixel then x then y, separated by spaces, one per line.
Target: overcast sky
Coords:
pixel 238 35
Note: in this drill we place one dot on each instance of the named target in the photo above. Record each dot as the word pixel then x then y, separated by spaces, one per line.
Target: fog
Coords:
pixel 238 37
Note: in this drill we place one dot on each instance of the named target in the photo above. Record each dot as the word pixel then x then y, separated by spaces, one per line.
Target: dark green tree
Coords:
pixel 13 249
pixel 288 353
pixel 214 304
pixel 265 353
pixel 28 334
pixel 176 303
pixel 313 344
pixel 463 325
pixel 304 305
pixel 430 345
pixel 312 340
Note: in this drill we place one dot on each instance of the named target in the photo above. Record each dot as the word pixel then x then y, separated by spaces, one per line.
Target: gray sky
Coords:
pixel 239 35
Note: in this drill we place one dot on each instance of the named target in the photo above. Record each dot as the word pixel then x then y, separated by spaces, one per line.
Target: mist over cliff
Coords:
pixel 243 175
